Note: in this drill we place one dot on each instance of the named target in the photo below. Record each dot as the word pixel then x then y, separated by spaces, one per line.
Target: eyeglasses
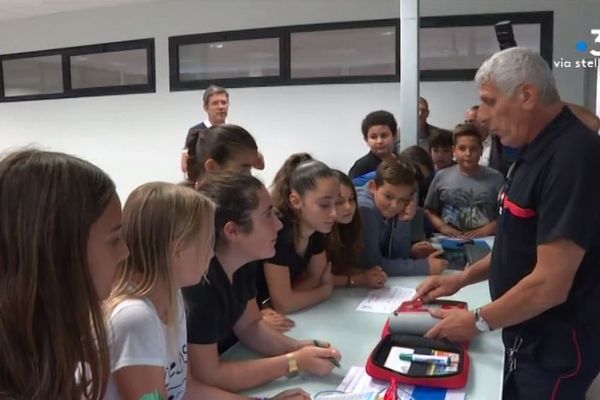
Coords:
pixel 506 186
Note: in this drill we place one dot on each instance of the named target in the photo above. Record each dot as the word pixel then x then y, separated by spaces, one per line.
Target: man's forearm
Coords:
pixel 523 301
pixel 477 272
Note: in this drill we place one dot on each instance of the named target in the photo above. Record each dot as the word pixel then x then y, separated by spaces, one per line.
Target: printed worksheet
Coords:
pixel 385 300
pixel 358 381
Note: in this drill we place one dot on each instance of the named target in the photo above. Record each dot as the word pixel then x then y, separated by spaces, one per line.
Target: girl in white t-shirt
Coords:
pixel 170 231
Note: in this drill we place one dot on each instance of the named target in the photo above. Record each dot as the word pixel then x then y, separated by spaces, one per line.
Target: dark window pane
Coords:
pixel 116 68
pixel 467 47
pixel 344 52
pixel 230 59
pixel 32 76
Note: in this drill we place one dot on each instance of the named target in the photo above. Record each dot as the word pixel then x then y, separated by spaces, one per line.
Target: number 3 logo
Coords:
pixel 596 32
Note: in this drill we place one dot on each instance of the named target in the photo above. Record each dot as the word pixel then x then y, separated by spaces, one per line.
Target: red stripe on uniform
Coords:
pixel 570 374
pixel 517 210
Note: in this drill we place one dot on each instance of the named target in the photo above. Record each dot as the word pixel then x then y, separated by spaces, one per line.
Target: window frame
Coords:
pixel 246 34
pixel 67 52
pixel 544 18
pixel 283 33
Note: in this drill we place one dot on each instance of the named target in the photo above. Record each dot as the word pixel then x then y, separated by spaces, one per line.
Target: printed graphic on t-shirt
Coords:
pixel 465 209
pixel 175 375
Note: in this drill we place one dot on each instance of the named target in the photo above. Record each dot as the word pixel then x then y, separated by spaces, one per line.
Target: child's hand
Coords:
pixel 374 278
pixel 421 249
pixel 316 360
pixel 450 231
pixel 410 210
pixel 278 321
pixel 475 233
pixel 292 394
pixel 436 265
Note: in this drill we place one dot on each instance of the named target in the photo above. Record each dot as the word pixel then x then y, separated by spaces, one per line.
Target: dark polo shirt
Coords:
pixel 552 192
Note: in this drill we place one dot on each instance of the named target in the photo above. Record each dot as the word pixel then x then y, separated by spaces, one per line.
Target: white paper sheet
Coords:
pixel 385 300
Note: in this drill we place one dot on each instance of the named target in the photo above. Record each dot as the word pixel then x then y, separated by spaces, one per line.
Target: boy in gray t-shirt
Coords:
pixel 462 199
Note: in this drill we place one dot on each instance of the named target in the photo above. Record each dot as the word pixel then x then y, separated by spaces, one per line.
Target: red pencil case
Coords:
pixel 402 339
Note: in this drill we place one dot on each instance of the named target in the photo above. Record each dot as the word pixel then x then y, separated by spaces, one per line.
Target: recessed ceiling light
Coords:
pixel 216 45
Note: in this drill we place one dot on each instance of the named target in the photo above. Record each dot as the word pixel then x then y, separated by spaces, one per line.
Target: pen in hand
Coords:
pixel 332 359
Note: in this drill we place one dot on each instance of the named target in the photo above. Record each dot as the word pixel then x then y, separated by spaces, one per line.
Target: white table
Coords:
pixel 355 334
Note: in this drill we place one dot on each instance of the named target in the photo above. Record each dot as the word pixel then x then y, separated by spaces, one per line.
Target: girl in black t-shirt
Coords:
pixel 245 231
pixel 344 243
pixel 304 192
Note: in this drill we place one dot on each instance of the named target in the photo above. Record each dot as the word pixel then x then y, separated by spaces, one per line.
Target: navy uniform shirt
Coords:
pixel 552 192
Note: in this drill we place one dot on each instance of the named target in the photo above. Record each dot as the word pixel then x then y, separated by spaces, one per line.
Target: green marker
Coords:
pixel 332 359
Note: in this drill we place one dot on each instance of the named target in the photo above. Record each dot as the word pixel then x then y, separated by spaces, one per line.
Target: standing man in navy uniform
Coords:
pixel 544 270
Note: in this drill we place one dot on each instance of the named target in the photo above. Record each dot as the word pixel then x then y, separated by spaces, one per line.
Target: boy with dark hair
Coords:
pixel 461 201
pixel 440 149
pixel 380 133
pixel 387 239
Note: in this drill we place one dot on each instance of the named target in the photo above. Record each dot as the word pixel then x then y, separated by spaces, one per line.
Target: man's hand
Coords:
pixel 438 286
pixel 455 325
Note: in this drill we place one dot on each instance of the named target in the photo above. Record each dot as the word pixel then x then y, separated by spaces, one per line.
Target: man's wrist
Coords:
pixel 462 278
pixel 481 323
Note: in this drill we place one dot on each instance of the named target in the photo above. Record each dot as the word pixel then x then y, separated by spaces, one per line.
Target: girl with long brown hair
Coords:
pixel 304 193
pixel 60 244
pixel 345 241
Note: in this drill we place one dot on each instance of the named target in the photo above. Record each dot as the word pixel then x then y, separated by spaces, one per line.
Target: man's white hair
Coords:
pixel 512 67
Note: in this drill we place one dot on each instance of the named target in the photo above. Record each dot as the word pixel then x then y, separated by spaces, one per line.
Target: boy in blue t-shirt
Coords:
pixel 387 238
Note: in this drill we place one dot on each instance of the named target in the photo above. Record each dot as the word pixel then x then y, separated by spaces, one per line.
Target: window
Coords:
pixel 453 48
pixel 32 76
pixel 96 70
pixel 233 59
pixel 116 68
pixel 343 52
pixel 229 59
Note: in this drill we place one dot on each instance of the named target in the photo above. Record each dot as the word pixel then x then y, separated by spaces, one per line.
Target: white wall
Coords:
pixel 137 138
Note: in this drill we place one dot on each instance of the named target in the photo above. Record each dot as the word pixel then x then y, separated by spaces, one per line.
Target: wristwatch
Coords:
pixel 480 323
pixel 293 369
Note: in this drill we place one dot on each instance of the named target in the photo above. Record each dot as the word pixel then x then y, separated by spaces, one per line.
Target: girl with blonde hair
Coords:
pixel 170 232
